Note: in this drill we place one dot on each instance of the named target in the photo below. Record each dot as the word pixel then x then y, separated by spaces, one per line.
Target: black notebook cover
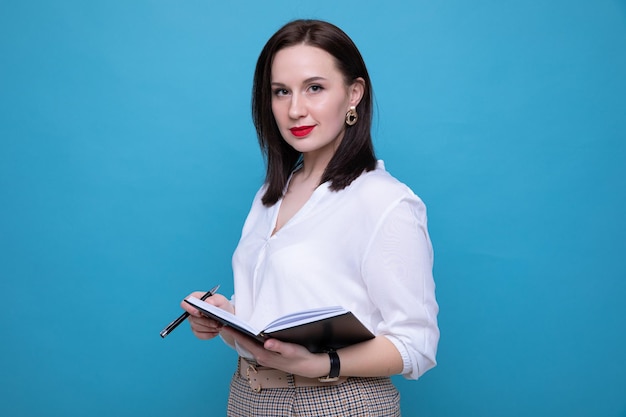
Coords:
pixel 316 334
pixel 330 333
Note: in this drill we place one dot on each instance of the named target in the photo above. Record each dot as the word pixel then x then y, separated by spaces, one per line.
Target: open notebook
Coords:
pixel 318 329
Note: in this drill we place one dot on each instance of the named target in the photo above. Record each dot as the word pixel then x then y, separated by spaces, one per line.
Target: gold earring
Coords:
pixel 351 116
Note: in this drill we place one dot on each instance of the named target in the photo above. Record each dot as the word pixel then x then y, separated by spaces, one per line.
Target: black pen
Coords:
pixel 183 316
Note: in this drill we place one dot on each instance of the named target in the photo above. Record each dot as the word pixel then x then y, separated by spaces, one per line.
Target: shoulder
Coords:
pixel 257 208
pixel 379 186
pixel 376 195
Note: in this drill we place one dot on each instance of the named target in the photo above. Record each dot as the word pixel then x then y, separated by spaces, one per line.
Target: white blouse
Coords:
pixel 365 248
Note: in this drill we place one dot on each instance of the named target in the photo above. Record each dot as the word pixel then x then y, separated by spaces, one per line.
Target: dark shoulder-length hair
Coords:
pixel 355 153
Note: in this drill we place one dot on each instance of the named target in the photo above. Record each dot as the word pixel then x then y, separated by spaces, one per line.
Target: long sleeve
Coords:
pixel 397 270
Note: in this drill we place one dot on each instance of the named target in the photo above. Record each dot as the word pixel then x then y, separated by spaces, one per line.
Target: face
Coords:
pixel 310 99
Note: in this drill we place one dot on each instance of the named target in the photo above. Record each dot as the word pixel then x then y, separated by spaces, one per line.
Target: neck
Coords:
pixel 313 167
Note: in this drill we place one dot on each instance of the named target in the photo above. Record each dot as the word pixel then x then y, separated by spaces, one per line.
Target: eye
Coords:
pixel 280 92
pixel 316 88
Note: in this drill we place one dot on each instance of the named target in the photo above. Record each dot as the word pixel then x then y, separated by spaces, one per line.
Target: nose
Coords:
pixel 297 107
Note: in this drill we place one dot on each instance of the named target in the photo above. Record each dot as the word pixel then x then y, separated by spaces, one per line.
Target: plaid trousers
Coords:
pixel 362 397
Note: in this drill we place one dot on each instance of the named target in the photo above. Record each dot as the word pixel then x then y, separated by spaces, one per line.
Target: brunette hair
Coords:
pixel 355 153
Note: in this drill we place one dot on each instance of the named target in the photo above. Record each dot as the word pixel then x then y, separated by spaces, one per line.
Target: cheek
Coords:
pixel 335 117
pixel 333 111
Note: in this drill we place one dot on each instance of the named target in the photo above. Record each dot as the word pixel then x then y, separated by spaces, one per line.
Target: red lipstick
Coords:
pixel 301 131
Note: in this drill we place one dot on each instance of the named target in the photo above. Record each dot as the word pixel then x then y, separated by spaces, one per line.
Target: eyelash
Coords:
pixel 280 92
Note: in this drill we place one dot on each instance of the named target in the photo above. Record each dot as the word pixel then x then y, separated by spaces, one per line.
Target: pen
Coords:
pixel 183 316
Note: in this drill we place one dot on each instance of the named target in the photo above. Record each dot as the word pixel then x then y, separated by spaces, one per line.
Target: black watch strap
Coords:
pixel 335 368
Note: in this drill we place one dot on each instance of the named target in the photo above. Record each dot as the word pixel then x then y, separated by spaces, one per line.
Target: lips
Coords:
pixel 301 131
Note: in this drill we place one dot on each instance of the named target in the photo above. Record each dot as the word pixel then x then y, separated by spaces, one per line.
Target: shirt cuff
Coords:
pixel 407 365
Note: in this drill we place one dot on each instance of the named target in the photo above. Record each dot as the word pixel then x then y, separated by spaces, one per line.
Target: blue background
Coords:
pixel 128 162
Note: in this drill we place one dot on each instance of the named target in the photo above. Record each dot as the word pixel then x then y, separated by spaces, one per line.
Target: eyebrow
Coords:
pixel 307 81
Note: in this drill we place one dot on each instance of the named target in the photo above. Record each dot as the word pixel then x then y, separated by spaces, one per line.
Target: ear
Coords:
pixel 356 91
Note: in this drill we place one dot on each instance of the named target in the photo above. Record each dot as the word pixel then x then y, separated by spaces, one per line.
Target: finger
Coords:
pixel 288 350
pixel 218 300
pixel 274 345
pixel 189 308
pixel 205 324
pixel 205 335
pixel 250 344
pixel 204 332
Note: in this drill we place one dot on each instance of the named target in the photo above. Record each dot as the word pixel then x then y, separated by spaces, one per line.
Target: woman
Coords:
pixel 328 227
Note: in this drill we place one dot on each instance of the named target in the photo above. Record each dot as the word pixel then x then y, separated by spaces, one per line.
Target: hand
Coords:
pixel 288 357
pixel 201 326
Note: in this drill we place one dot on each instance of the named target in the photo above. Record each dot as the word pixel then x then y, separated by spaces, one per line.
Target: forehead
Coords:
pixel 302 62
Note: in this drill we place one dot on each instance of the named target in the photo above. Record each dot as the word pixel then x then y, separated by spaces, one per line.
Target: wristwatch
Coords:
pixel 335 366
